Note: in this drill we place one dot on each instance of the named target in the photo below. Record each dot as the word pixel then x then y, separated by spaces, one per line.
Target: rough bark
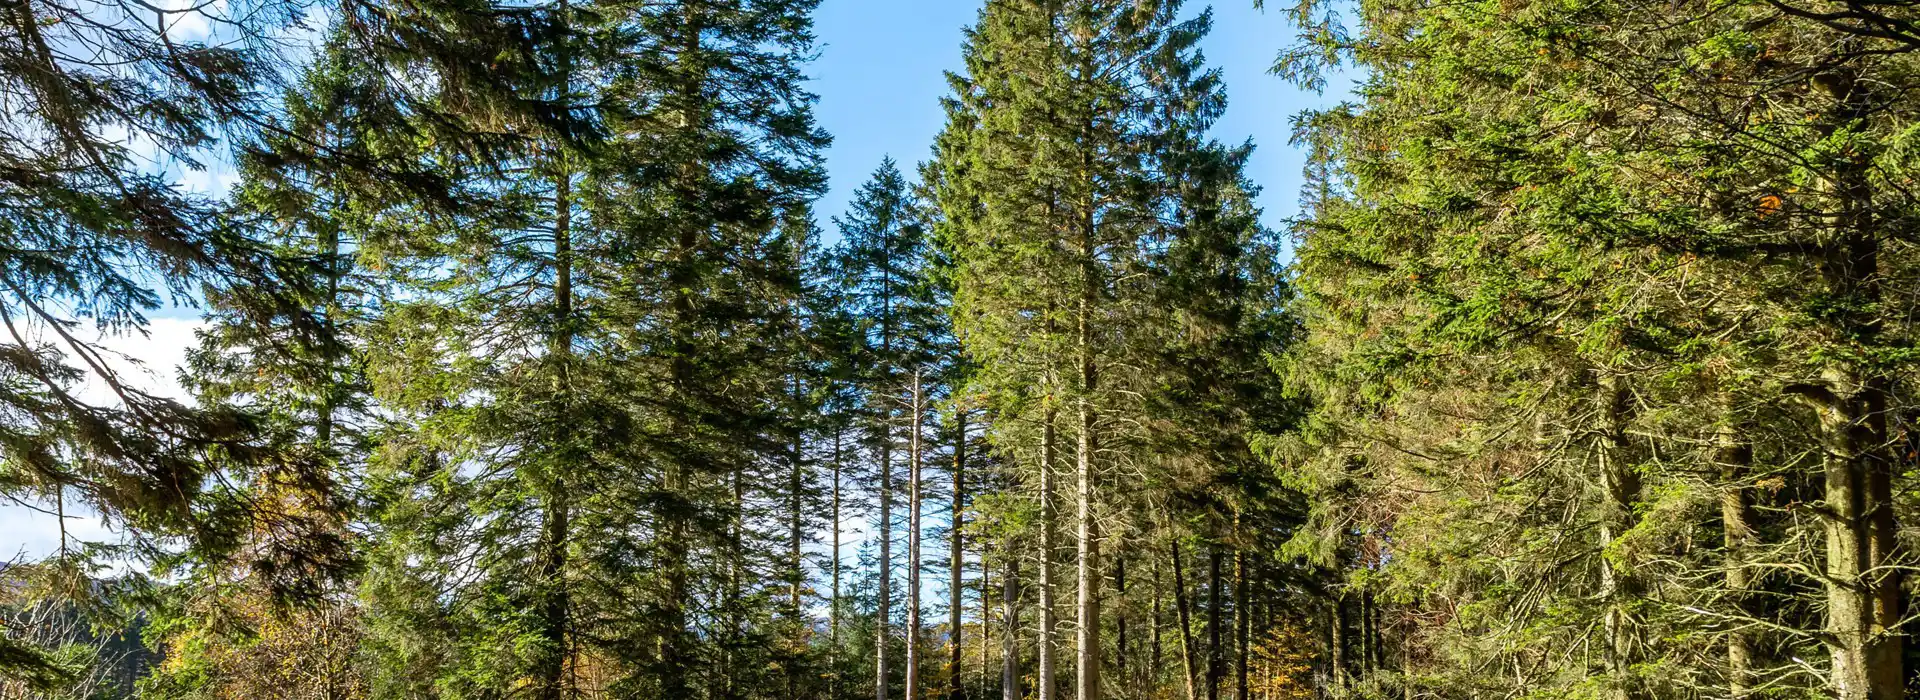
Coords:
pixel 1618 584
pixel 1864 598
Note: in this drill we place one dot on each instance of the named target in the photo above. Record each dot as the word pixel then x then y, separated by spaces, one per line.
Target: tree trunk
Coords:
pixel 956 557
pixel 1087 574
pixel 796 559
pixel 983 689
pixel 1378 644
pixel 731 606
pixel 1216 655
pixel 555 601
pixel 1618 584
pixel 1337 644
pixel 883 605
pixel 1864 599
pixel 1736 514
pixel 676 639
pixel 912 691
pixel 1010 637
pixel 1045 642
pixel 1182 603
pixel 1120 618
pixel 833 607
pixel 1087 583
pixel 1243 622
pixel 1860 607
pixel 1150 675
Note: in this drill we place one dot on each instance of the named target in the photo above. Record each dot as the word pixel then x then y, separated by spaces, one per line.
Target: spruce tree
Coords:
pixel 883 262
pixel 1075 128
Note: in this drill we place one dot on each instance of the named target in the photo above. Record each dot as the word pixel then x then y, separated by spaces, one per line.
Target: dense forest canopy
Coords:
pixel 531 368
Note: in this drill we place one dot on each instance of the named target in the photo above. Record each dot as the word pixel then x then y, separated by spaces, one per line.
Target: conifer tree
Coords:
pixel 1627 280
pixel 1076 125
pixel 883 263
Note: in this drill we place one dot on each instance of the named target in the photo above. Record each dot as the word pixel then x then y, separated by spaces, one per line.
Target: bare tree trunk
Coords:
pixel 1045 691
pixel 1736 514
pixel 912 691
pixel 986 629
pixel 833 607
pixel 883 611
pixel 1378 645
pixel 1337 644
pixel 1087 575
pixel 796 560
pixel 956 557
pixel 1010 638
pixel 1216 656
pixel 731 606
pixel 1243 622
pixel 1151 674
pixel 1087 584
pixel 1618 584
pixel 1188 660
pixel 1120 618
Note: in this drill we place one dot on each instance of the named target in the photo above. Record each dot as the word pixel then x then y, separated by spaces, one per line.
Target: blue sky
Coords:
pixel 880 77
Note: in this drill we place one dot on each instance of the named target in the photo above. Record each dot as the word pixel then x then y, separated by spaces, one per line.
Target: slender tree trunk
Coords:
pixel 956 557
pixel 555 601
pixel 833 607
pixel 731 605
pixel 1216 656
pixel 912 691
pixel 1010 635
pixel 883 610
pixel 1150 675
pixel 1120 617
pixel 1736 514
pixel 1378 644
pixel 796 560
pixel 1087 574
pixel 1045 690
pixel 1617 582
pixel 984 682
pixel 1243 622
pixel 1184 605
pixel 1337 644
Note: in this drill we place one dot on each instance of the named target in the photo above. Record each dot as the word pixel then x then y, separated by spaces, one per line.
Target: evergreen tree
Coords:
pixel 1593 306
pixel 1075 160
pixel 882 263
